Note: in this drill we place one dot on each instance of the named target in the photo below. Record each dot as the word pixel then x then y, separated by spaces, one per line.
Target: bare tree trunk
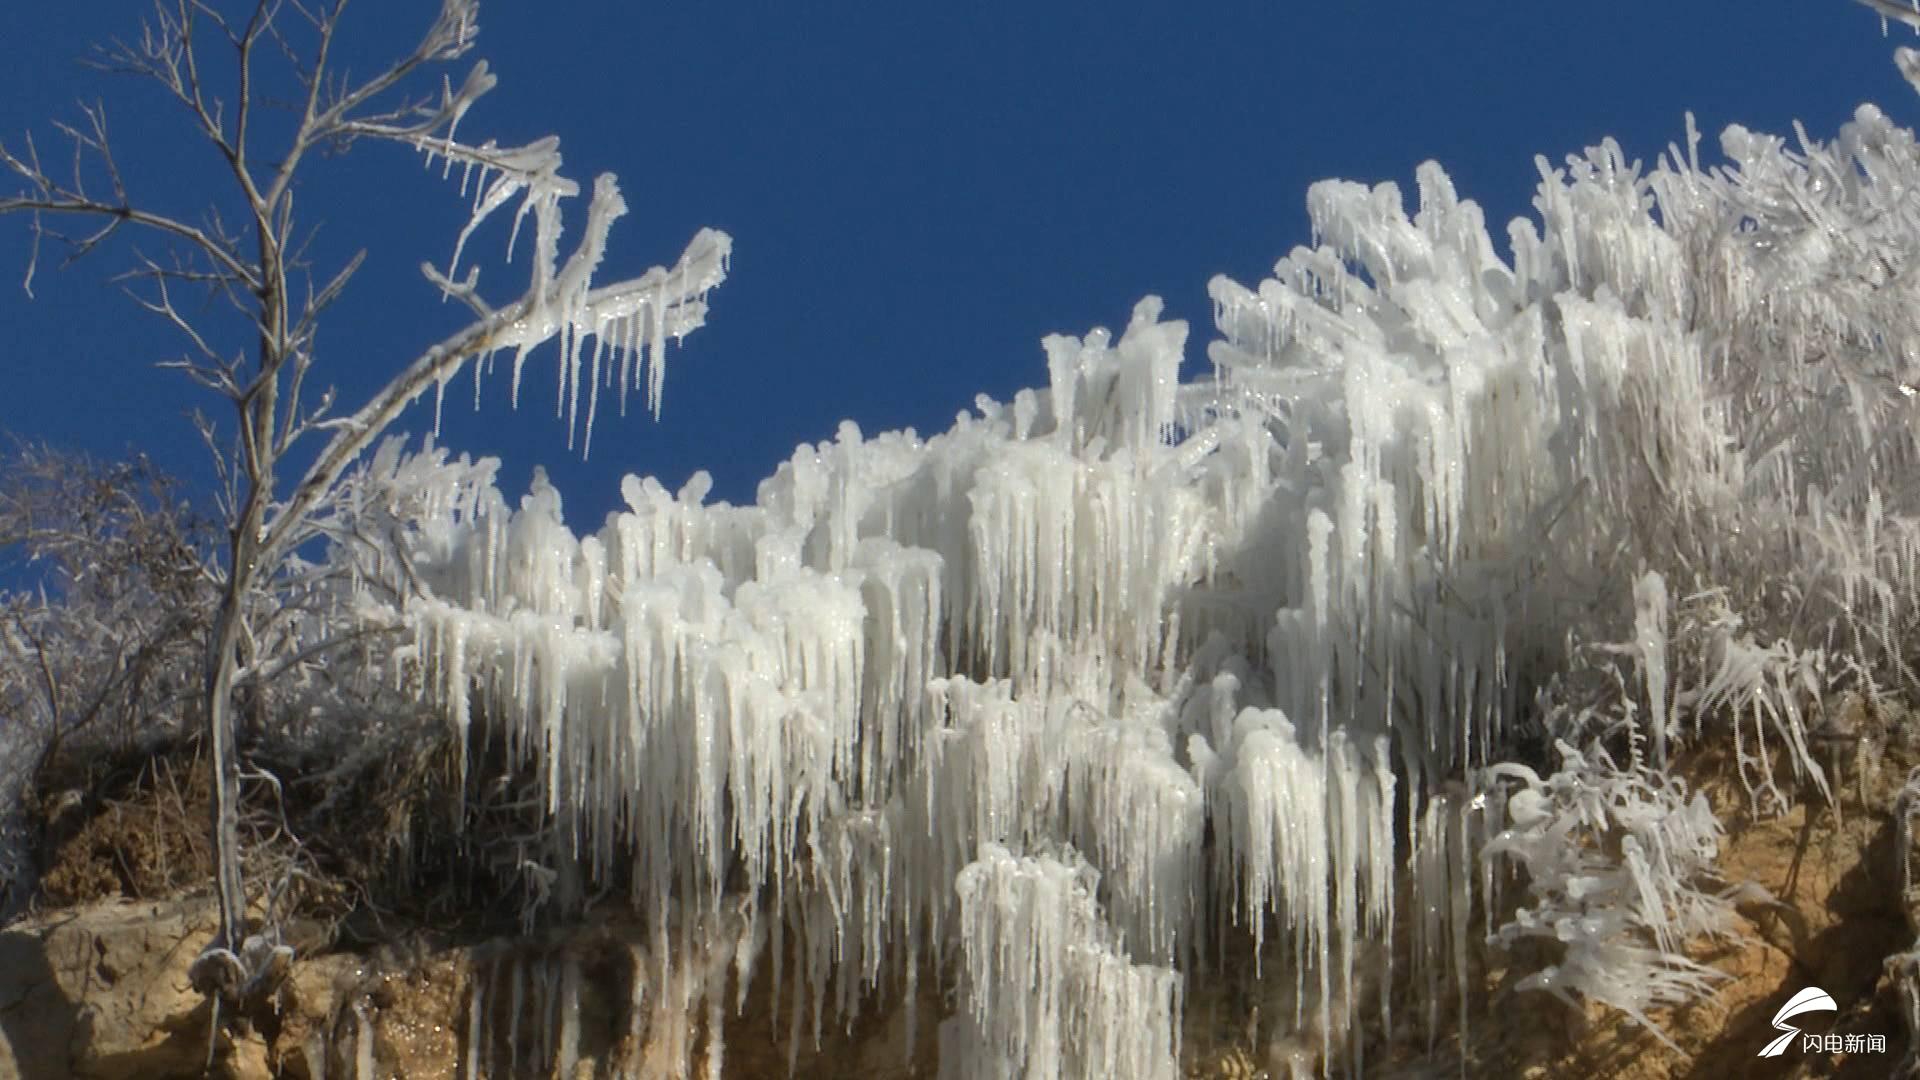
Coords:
pixel 226 773
pixel 228 972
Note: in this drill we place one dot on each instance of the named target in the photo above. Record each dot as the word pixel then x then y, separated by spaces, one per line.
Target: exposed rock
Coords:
pixel 100 993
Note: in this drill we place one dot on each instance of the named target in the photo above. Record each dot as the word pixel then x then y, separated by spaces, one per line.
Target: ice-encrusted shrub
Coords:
pixel 1754 696
pixel 1710 370
pixel 1620 867
pixel 1618 860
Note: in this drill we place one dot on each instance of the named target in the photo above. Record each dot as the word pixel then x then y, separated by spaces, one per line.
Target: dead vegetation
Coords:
pixel 348 849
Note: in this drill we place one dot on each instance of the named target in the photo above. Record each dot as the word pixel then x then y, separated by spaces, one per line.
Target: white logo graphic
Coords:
pixel 1808 1000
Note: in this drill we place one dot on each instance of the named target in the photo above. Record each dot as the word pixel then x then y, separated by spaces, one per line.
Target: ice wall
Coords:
pixel 1071 691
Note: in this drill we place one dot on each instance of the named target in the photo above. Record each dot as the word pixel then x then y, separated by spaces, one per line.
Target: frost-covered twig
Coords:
pixel 1618 864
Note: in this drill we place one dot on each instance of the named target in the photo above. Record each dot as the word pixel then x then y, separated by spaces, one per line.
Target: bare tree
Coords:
pixel 124 594
pixel 103 652
pixel 288 450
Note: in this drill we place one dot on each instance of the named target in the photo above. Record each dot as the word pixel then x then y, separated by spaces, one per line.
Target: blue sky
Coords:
pixel 917 193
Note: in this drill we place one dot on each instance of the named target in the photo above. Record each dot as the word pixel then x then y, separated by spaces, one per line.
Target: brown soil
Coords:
pixel 140 835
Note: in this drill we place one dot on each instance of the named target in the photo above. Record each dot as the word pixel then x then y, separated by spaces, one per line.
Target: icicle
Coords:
pixel 637 1006
pixel 1650 638
pixel 478 1018
pixel 568 1054
pixel 716 1033
pixel 363 1060
pixel 1047 993
pixel 516 990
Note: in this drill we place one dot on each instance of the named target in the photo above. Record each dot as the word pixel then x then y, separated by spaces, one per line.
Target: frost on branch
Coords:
pixel 628 322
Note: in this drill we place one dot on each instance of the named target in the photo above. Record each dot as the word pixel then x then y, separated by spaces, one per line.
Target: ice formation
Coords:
pixel 629 322
pixel 1062 699
pixel 1047 993
pixel 1621 922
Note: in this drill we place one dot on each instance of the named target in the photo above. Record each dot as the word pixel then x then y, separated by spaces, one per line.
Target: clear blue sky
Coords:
pixel 917 192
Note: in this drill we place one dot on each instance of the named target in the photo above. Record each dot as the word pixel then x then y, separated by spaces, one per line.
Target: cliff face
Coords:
pixel 98 990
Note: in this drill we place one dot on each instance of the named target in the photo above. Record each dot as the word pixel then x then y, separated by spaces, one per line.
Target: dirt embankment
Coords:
pixel 96 987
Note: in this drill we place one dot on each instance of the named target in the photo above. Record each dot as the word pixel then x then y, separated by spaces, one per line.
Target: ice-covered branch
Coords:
pixel 254 627
pixel 621 318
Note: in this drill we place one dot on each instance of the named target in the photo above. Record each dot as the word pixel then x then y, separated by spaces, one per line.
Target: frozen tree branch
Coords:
pixel 262 269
